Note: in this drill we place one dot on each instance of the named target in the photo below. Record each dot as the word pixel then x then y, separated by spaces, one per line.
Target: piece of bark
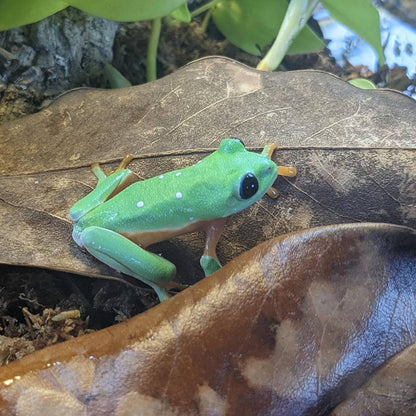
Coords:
pixel 65 50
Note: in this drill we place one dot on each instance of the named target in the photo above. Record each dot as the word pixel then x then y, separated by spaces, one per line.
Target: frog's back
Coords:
pixel 175 200
pixel 168 201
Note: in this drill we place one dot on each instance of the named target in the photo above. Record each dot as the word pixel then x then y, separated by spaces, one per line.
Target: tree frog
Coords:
pixel 122 215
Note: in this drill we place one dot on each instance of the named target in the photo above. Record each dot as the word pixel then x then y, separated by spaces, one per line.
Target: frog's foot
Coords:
pixel 100 174
pixel 121 254
pixel 125 162
pixel 209 264
pixel 273 192
pixel 269 149
pixel 281 170
pixel 289 171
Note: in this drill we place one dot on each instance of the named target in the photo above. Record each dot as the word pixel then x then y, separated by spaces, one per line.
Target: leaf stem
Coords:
pixel 296 17
pixel 151 59
pixel 7 55
pixel 204 8
pixel 205 21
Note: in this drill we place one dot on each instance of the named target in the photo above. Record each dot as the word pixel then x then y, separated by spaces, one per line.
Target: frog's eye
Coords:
pixel 231 145
pixel 249 186
pixel 238 140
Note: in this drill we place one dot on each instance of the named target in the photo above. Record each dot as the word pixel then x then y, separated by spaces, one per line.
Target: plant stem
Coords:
pixel 205 21
pixel 205 7
pixel 296 17
pixel 7 55
pixel 151 59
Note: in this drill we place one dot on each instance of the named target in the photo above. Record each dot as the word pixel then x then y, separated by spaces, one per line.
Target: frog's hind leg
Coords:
pixel 101 175
pixel 122 254
pixel 106 188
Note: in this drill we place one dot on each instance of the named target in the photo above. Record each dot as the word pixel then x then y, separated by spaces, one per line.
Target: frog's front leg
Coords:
pixel 122 254
pixel 209 260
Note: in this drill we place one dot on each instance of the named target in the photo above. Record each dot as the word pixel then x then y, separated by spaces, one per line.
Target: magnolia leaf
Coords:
pixel 301 324
pixel 354 150
pixel 291 327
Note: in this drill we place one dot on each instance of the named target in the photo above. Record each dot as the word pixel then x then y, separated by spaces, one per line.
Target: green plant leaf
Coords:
pixel 307 41
pixel 182 13
pixel 251 27
pixel 362 83
pixel 361 17
pixel 115 78
pixel 127 10
pixel 21 12
pixel 15 13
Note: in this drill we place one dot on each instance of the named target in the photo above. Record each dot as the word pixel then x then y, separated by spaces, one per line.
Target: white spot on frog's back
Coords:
pixel 161 176
pixel 140 204
pixel 178 173
pixel 178 195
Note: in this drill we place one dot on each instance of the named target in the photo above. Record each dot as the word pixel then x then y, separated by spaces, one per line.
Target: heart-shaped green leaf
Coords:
pixel 252 28
pixel 362 17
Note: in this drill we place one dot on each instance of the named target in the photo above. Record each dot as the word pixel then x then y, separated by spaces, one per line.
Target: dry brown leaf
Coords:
pixel 354 150
pixel 290 328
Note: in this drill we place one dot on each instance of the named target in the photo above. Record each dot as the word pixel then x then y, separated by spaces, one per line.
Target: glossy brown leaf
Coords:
pixel 390 391
pixel 291 327
pixel 354 150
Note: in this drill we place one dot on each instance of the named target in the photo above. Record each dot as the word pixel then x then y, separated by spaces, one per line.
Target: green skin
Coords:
pixel 181 201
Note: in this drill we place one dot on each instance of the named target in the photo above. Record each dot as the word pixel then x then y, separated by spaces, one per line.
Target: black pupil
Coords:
pixel 249 186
